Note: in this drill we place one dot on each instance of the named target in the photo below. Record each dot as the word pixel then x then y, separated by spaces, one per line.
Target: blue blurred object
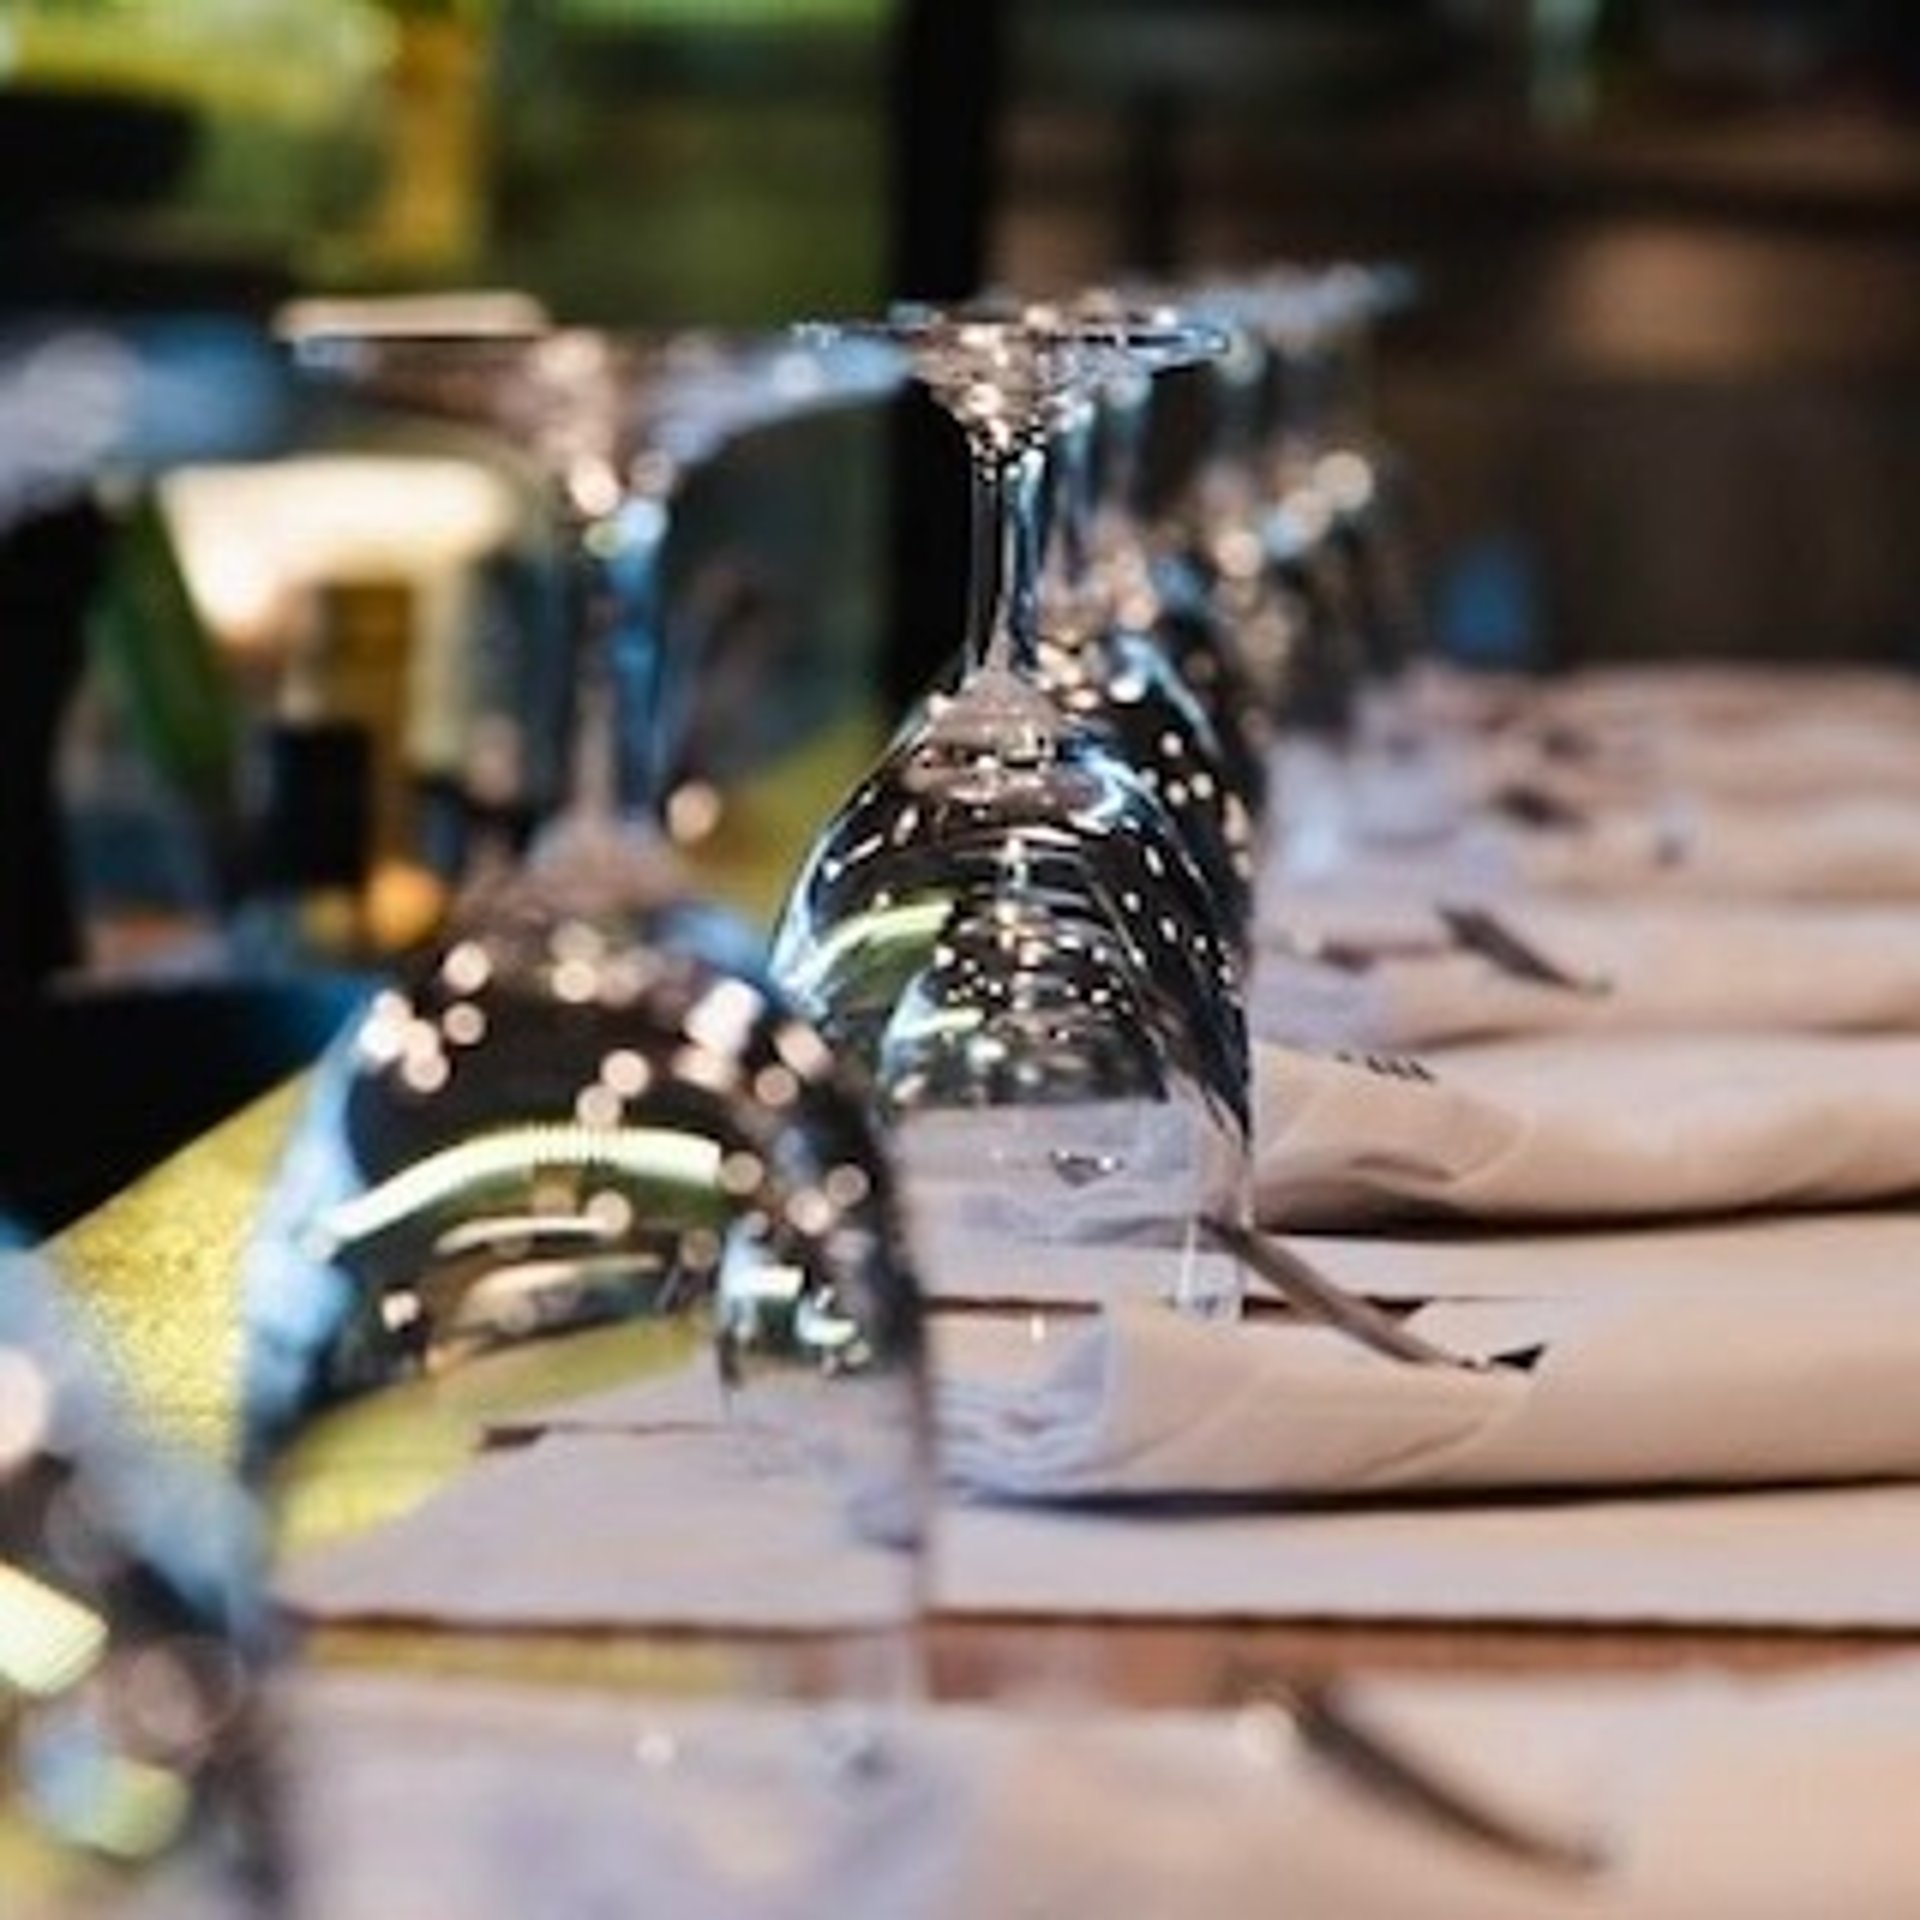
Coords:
pixel 83 397
pixel 1488 612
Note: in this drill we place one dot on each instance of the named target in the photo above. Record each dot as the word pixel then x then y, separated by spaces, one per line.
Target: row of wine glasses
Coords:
pixel 1021 937
pixel 1029 924
pixel 1005 990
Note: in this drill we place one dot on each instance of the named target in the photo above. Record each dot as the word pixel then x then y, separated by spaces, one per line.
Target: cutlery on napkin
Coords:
pixel 1653 1388
pixel 1667 965
pixel 1588 1127
pixel 1851 846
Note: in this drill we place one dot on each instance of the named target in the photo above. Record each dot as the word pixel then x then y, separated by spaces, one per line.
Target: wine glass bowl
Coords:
pixel 993 759
pixel 608 423
pixel 1028 1094
pixel 1021 1001
pixel 968 810
pixel 558 1128
pixel 583 1136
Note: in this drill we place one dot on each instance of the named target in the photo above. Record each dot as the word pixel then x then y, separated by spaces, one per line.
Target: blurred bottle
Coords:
pixel 186 152
pixel 159 159
pixel 340 875
pixel 427 222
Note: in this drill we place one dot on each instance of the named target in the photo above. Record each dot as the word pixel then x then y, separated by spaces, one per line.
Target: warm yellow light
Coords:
pixel 49 1642
pixel 254 538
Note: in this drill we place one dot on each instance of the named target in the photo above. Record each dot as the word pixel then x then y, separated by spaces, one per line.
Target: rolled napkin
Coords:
pixel 1654 1389
pixel 1582 1127
pixel 1330 976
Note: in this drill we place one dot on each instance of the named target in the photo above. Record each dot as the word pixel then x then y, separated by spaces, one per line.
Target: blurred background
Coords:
pixel 1658 390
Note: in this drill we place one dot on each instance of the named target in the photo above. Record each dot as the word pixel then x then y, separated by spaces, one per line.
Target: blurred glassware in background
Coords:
pixel 1207 517
pixel 87 397
pixel 1328 443
pixel 1003 923
pixel 139 1770
pixel 1151 583
pixel 583 730
pixel 636 1160
pixel 92 406
pixel 1300 517
pixel 583 1108
pixel 255 768
pixel 1100 652
pixel 1262 527
pixel 344 594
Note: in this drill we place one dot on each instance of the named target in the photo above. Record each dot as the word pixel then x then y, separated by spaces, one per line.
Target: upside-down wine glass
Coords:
pixel 1261 542
pixel 1259 526
pixel 1328 467
pixel 588 1112
pixel 1153 586
pixel 1207 529
pixel 1003 922
pixel 1107 641
pixel 1328 439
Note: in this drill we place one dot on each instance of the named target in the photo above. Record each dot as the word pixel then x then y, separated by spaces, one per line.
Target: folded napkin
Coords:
pixel 1707 1798
pixel 1588 1127
pixel 1396 981
pixel 622 1528
pixel 1699 694
pixel 1652 1388
pixel 668 1526
pixel 1850 847
pixel 1785 760
pixel 1737 1254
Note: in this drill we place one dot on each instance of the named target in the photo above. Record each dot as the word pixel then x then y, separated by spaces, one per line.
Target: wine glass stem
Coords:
pixel 621 730
pixel 1348 395
pixel 1117 482
pixel 1305 394
pixel 1009 481
pixel 1234 436
pixel 1071 544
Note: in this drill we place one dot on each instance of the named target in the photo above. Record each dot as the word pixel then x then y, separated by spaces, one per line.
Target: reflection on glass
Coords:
pixel 1004 918
pixel 566 1128
pixel 584 1108
pixel 1103 655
